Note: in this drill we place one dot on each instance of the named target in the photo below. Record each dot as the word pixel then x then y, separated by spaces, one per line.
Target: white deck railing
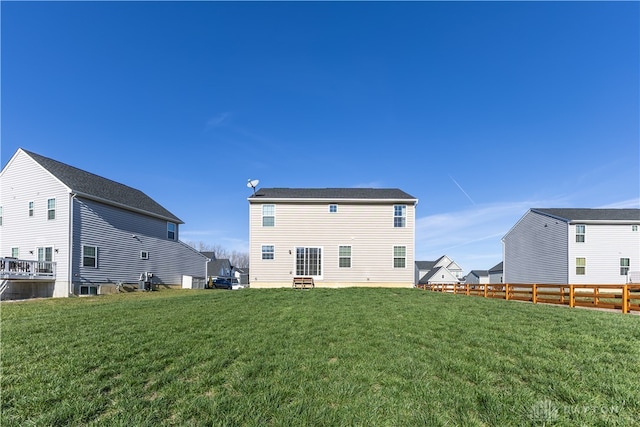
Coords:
pixel 21 269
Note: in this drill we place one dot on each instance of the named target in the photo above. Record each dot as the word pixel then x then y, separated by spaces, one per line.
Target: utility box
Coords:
pixel 144 282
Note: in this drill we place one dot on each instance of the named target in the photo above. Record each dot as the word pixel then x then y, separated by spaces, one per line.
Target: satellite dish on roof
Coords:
pixel 252 183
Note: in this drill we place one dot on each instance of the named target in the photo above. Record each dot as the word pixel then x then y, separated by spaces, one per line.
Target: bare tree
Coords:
pixel 237 258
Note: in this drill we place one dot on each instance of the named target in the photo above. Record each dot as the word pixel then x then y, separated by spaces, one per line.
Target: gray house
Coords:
pixel 66 231
pixel 573 246
pixel 477 277
pixel 496 273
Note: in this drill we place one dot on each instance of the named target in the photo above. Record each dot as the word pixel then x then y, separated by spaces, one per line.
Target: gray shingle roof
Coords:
pixel 579 214
pixel 94 186
pixel 479 273
pixel 496 268
pixel 425 265
pixel 333 193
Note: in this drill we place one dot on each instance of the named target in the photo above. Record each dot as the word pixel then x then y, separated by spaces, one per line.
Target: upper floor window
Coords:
pixel 15 252
pixel 0 215
pixel 144 254
pixel 624 266
pixel 580 233
pixel 344 256
pixel 89 256
pixel 333 208
pixel 171 231
pixel 51 209
pixel 268 215
pixel 399 216
pixel 30 209
pixel 634 228
pixel 399 256
pixel 581 266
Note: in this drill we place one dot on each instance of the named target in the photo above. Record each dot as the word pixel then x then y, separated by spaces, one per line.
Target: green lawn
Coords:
pixel 366 357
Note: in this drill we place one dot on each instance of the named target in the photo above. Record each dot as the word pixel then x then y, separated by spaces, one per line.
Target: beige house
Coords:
pixel 338 236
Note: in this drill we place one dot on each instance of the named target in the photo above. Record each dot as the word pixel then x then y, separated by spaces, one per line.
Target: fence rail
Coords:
pixel 616 297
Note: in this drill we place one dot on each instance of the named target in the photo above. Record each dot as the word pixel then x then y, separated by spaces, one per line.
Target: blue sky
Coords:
pixel 480 110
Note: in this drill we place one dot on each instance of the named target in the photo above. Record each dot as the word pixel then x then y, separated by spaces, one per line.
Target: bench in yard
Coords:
pixel 303 283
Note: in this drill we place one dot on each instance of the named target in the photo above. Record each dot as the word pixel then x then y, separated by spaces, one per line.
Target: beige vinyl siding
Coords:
pixel 603 247
pixel 23 181
pixel 366 227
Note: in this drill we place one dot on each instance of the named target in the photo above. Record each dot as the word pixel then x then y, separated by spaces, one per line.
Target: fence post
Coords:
pixel 506 292
pixel 534 293
pixel 572 297
pixel 467 289
pixel 625 299
pixel 485 290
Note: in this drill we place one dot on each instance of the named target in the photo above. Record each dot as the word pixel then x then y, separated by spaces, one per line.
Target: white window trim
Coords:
pixel 175 230
pixel 263 216
pixel 55 207
pixel 144 255
pixel 628 266
pixel 17 255
pixel 404 216
pixel 322 260
pixel 262 252
pixel 583 234
pixel 393 257
pixel 95 264
pixel 333 205
pixel 31 208
pixel 88 288
pixel 350 256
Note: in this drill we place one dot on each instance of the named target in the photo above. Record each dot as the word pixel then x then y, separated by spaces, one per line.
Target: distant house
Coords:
pixel 477 277
pixel 219 268
pixel 242 274
pixel 338 236
pixel 428 272
pixel 573 246
pixel 89 232
pixel 496 273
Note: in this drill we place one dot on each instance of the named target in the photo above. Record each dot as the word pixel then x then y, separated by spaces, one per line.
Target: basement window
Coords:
pixel 88 290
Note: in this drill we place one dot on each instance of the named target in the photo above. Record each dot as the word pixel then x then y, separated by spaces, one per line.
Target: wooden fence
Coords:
pixel 617 297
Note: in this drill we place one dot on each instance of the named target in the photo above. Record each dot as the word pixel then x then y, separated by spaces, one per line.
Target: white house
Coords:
pixel 428 272
pixel 573 246
pixel 339 236
pixel 66 231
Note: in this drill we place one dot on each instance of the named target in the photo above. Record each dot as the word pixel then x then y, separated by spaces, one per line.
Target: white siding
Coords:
pixel 535 250
pixel 22 181
pixel 367 228
pixel 603 247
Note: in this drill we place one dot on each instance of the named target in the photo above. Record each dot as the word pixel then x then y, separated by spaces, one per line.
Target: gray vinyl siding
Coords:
pixel 112 231
pixel 366 227
pixel 535 251
pixel 22 181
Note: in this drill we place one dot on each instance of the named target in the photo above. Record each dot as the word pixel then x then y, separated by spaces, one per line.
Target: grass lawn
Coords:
pixel 322 357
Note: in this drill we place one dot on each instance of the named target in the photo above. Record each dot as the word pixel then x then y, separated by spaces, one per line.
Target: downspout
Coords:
pixel 70 246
